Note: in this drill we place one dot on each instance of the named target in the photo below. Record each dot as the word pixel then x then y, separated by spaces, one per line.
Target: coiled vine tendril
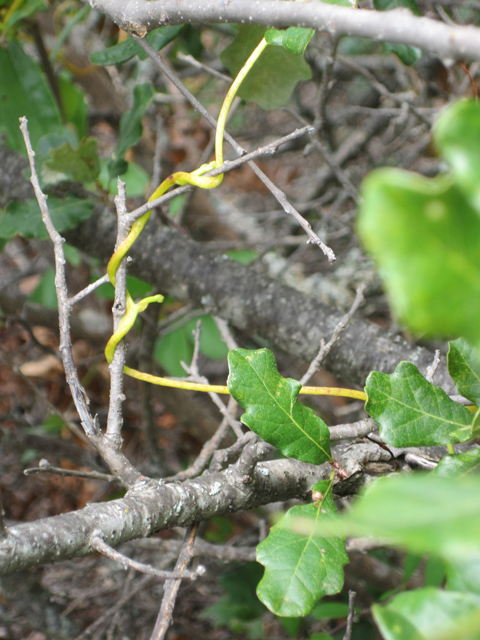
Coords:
pixel 197 179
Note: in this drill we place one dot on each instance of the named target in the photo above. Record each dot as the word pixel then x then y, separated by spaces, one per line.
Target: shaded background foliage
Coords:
pixel 91 120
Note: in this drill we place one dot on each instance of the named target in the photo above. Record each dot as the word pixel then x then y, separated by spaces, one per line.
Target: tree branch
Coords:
pixel 451 42
pixel 288 319
pixel 156 506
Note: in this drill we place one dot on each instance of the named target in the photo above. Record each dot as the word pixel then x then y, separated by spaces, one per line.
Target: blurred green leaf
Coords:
pixel 457 136
pixel 464 575
pixel 464 367
pixel 74 105
pixel 45 293
pixel 272 407
pixel 244 256
pixel 79 165
pixel 293 39
pixel 327 610
pixel 272 79
pixel 459 465
pixel 424 236
pixel 408 55
pixel 430 614
pixel 24 10
pixel 388 5
pixel 291 625
pixel 25 218
pixel 52 425
pixel 24 92
pixel 424 233
pixel 72 255
pixel 424 513
pixel 301 568
pixel 171 349
pixel 136 179
pixel 239 606
pixel 128 48
pixel 413 412
pixel 211 343
pixel 434 572
pixel 131 123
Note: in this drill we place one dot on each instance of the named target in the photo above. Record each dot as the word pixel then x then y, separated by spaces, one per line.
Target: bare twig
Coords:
pixel 430 373
pixel 324 88
pixel 353 430
pixel 351 613
pixel 198 65
pixel 225 332
pixel 115 459
pixel 194 376
pixel 46 467
pixel 276 192
pixel 172 586
pixel 326 348
pixel 229 165
pixel 117 397
pixel 102 547
pixel 88 290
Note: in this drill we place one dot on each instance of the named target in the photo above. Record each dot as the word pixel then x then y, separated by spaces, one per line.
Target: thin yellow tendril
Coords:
pixel 197 179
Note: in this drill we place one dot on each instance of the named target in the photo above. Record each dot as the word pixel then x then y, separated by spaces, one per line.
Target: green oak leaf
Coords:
pixel 422 513
pixel 80 165
pixel 272 79
pixel 464 367
pixel 424 233
pixel 272 407
pixel 25 218
pixel 429 614
pixel 128 48
pixel 300 568
pixel 458 465
pixel 294 39
pixel 412 412
pixel 425 238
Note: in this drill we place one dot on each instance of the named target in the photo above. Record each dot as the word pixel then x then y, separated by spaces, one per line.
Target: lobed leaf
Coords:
pixel 413 412
pixel 80 165
pixel 300 568
pixel 429 614
pixel 272 407
pixel 464 367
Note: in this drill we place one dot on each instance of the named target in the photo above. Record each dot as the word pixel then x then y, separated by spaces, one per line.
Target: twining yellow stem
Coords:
pixel 196 178
pixel 218 388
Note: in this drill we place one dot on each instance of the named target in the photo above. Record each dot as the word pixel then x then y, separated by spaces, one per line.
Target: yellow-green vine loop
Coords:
pixel 197 179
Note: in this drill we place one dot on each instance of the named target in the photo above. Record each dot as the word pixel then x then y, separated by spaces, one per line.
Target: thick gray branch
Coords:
pixel 153 507
pixel 141 16
pixel 287 318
